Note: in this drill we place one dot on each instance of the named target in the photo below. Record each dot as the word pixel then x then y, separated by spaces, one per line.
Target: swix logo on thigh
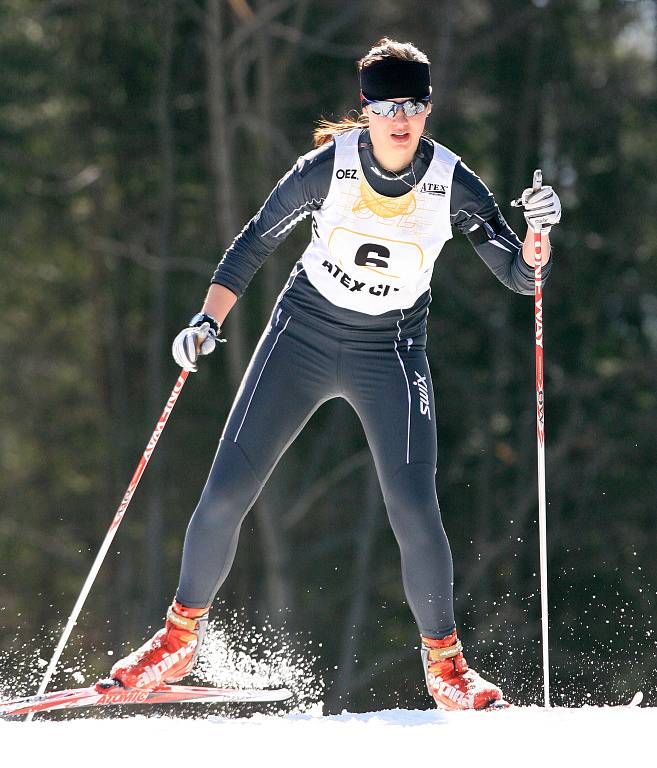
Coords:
pixel 155 672
pixel 421 384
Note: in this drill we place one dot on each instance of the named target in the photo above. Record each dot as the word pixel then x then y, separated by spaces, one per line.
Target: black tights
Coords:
pixel 295 369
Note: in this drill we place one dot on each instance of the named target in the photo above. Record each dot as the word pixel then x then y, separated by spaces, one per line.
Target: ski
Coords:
pixel 500 704
pixel 633 704
pixel 115 695
pixel 636 700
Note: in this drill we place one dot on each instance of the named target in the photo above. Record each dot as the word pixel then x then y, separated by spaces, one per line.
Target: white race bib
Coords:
pixel 371 253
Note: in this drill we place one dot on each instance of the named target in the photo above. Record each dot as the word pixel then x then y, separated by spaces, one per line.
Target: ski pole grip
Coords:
pixel 537 183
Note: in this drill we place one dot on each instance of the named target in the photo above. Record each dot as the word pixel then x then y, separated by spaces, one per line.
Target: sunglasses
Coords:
pixel 390 108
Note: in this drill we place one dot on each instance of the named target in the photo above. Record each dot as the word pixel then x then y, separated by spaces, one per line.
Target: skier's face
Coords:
pixel 395 140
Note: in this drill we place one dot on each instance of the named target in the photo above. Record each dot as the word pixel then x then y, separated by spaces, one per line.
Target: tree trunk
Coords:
pixel 443 61
pixel 153 597
pixel 222 151
pixel 273 541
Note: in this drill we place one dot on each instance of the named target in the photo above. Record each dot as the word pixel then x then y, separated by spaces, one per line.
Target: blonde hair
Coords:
pixel 384 49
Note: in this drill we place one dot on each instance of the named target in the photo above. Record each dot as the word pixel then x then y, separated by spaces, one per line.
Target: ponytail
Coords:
pixel 326 129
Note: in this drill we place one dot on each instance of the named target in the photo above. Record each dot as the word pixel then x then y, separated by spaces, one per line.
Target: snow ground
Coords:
pixel 530 736
pixel 244 656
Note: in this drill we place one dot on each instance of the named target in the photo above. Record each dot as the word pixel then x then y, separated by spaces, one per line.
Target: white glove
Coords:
pixel 542 208
pixel 194 341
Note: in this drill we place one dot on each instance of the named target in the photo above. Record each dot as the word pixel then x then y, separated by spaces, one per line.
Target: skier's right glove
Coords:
pixel 199 338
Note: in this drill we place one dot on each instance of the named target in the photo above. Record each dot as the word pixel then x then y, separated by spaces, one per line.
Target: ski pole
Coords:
pixel 139 471
pixel 540 444
pixel 537 183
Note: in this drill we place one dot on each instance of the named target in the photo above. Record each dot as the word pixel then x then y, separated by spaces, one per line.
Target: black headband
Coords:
pixel 392 78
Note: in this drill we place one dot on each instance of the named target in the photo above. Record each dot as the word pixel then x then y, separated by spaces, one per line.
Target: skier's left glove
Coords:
pixel 199 338
pixel 542 208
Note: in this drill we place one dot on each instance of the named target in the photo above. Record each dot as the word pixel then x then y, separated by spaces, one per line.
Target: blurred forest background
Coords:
pixel 136 139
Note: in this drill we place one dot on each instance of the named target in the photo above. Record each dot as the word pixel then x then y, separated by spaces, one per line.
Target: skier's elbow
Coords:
pixel 520 277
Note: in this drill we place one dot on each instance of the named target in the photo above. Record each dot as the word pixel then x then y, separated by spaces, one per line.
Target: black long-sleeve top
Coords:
pixel 302 190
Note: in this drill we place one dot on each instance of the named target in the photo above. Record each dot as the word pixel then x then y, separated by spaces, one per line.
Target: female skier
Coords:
pixel 350 322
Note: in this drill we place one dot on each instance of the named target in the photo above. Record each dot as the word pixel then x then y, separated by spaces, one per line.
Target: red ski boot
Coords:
pixel 169 655
pixel 451 682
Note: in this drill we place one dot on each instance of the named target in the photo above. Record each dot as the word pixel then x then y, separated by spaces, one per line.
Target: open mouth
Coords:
pixel 400 136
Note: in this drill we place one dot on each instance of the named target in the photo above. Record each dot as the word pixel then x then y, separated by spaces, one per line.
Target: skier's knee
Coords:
pixel 230 489
pixel 412 503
